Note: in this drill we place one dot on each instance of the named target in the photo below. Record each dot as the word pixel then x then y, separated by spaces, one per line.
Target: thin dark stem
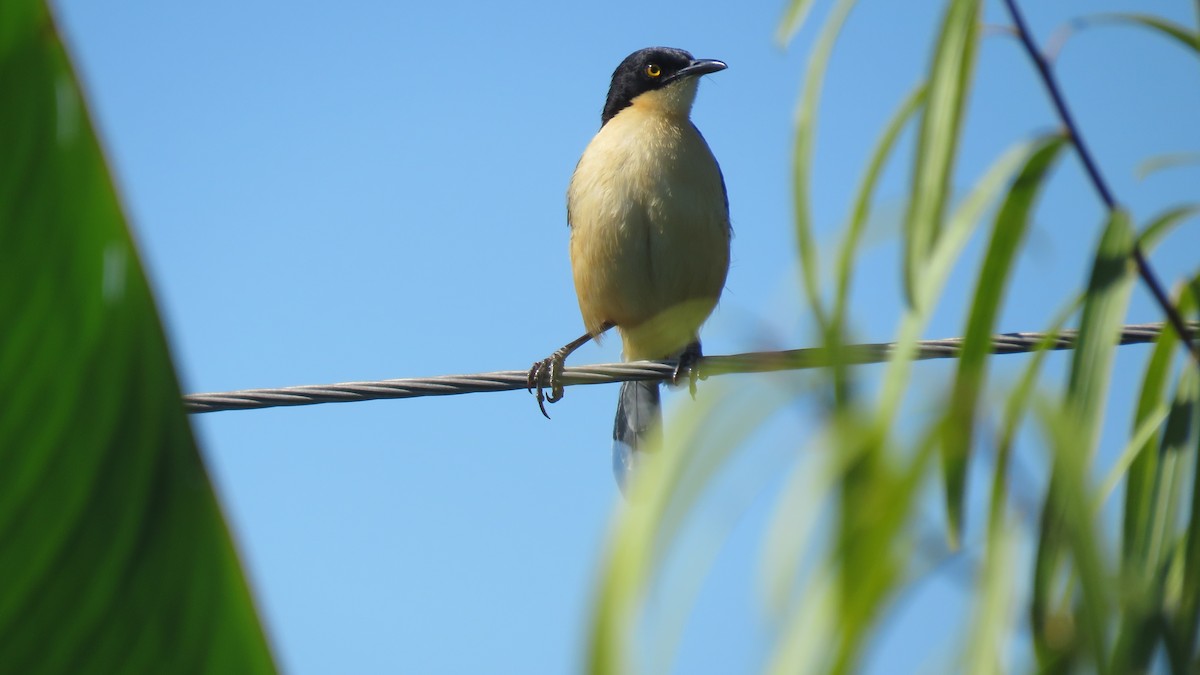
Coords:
pixel 1093 171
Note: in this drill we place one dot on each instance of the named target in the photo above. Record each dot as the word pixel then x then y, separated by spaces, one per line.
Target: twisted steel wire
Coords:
pixel 758 362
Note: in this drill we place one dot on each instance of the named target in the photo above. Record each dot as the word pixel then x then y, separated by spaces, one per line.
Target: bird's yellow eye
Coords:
pixel 653 70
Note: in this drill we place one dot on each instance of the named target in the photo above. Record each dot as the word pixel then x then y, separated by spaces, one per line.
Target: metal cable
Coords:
pixel 758 362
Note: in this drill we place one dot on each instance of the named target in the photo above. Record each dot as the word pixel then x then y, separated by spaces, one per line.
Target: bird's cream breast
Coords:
pixel 650 230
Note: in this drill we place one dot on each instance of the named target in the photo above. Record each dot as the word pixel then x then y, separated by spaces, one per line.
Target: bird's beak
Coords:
pixel 699 67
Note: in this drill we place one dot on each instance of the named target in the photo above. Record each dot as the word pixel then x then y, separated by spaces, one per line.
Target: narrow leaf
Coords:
pixel 1162 225
pixel 1074 433
pixel 871 551
pixel 995 602
pixel 1068 529
pixel 793 20
pixel 937 143
pixel 1104 308
pixel 802 152
pixel 1190 40
pixel 1187 620
pixel 1008 231
pixel 835 334
pixel 1139 486
pixel 1015 409
pixel 1163 162
pixel 663 496
pixel 936 270
pixel 1143 435
pixel 1141 629
pixel 865 195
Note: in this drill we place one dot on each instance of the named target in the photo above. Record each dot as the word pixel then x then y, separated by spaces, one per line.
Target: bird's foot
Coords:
pixel 547 373
pixel 689 363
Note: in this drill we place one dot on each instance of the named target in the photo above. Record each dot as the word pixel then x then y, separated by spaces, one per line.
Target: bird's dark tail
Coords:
pixel 637 428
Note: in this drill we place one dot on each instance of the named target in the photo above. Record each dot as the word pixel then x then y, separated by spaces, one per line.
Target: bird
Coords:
pixel 650 237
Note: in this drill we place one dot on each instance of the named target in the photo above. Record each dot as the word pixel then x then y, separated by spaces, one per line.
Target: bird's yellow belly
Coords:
pixel 650 241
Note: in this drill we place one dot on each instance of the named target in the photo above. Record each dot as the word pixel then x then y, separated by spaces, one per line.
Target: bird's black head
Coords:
pixel 651 69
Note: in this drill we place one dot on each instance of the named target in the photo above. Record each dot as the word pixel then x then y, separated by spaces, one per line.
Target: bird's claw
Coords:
pixel 548 369
pixel 689 362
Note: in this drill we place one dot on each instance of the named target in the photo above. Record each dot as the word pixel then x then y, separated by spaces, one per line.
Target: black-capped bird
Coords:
pixel 650 234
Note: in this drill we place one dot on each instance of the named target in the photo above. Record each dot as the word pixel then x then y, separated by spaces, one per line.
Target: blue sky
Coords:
pixel 325 192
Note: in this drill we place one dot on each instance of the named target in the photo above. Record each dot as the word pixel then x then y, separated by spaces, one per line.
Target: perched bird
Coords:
pixel 650 233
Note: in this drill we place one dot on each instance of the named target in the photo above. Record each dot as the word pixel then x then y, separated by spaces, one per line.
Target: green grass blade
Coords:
pixel 863 561
pixel 809 631
pixel 1139 485
pixel 1181 444
pixel 1190 40
pixel 1177 441
pixel 937 143
pixel 836 331
pixel 865 195
pixel 933 274
pixel 871 552
pixel 1164 162
pixel 1015 409
pixel 861 558
pixel 1187 619
pixel 1008 231
pixel 793 20
pixel 1068 527
pixel 1162 225
pixel 1143 436
pixel 1104 308
pixel 646 529
pixel 802 152
pixel 1074 433
pixel 115 557
pixel 1053 630
pixel 996 599
pixel 806 609
pixel 1141 629
pixel 793 524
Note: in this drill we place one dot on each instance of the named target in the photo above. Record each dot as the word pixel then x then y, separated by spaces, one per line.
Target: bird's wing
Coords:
pixel 570 219
pixel 724 191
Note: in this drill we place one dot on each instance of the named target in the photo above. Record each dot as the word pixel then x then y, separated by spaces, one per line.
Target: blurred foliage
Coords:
pixel 847 528
pixel 115 555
